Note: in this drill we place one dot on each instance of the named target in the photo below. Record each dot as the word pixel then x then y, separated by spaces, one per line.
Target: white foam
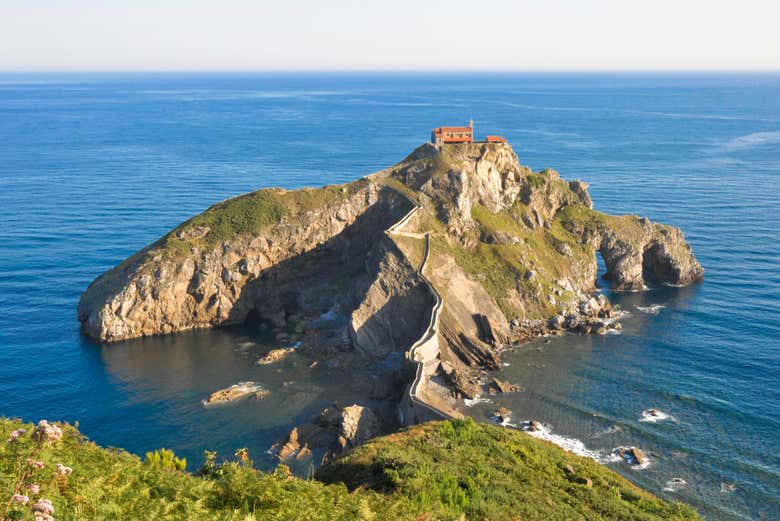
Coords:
pixel 675 484
pixel 471 402
pixel 655 416
pixel 727 487
pixel 504 421
pixel 650 310
pixel 505 364
pixel 572 445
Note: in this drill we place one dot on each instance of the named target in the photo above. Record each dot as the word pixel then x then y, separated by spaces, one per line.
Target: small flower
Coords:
pixel 62 470
pixel 33 489
pixel 15 435
pixel 46 432
pixel 40 516
pixel 18 498
pixel 43 506
pixel 35 463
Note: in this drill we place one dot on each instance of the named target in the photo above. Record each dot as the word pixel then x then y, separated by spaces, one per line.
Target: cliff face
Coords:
pixel 510 252
pixel 306 249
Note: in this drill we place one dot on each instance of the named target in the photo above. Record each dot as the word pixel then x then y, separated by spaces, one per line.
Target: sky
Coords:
pixel 543 35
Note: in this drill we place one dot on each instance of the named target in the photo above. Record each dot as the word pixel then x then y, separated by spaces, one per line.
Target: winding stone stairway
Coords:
pixel 424 354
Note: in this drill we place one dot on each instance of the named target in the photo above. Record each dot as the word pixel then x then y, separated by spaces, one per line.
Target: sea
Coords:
pixel 95 166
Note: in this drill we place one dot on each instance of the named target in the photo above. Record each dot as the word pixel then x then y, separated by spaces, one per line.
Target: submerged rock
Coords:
pixel 275 355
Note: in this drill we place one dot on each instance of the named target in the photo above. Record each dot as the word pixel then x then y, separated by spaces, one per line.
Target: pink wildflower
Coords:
pixel 33 489
pixel 62 470
pixel 40 516
pixel 18 498
pixel 43 506
pixel 46 432
pixel 35 463
pixel 15 435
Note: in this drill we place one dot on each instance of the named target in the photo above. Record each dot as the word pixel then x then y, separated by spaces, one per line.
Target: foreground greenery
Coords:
pixel 443 470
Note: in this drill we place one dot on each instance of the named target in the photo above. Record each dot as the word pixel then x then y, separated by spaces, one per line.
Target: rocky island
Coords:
pixel 445 257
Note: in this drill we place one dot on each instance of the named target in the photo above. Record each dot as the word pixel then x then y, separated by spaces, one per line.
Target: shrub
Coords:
pixel 164 459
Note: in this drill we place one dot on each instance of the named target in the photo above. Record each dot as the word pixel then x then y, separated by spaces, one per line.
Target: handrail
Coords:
pixel 432 330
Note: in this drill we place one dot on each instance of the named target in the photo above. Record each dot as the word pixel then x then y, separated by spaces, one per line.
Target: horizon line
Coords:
pixel 390 71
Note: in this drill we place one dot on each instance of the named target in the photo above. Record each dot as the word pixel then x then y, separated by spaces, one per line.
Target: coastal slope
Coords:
pixel 439 471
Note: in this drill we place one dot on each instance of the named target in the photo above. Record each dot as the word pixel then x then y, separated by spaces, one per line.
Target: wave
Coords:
pixel 650 310
pixel 655 416
pixel 610 430
pixel 675 484
pixel 471 402
pixel 573 445
pixel 753 140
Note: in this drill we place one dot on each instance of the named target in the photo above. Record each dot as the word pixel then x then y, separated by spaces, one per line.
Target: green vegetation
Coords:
pixel 438 471
pixel 250 214
pixel 459 468
pixel 505 270
pixel 164 459
pixel 627 227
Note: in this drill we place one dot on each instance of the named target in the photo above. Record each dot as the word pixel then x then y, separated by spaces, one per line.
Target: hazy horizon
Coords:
pixel 406 36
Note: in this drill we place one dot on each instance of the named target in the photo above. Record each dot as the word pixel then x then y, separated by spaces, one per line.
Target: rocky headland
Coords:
pixel 441 260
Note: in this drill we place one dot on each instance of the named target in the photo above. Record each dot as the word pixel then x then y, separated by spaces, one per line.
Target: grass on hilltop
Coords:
pixel 438 471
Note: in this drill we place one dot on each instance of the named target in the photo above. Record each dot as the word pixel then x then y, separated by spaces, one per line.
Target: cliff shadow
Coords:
pixel 322 286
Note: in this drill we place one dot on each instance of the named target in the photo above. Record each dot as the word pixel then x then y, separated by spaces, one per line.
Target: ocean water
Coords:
pixel 94 167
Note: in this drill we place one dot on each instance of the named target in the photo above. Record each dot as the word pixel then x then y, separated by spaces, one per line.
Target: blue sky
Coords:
pixel 392 34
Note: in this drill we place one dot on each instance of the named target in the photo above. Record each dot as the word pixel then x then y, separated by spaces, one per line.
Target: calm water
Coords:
pixel 92 168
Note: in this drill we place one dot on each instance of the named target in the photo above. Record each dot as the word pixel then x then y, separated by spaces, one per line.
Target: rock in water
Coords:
pixel 503 386
pixel 236 392
pixel 633 455
pixel 275 355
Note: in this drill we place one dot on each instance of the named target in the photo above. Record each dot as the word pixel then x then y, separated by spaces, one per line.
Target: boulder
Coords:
pixel 502 386
pixel 502 414
pixel 633 455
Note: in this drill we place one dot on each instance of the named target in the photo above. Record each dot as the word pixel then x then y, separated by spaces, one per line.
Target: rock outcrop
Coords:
pixel 334 431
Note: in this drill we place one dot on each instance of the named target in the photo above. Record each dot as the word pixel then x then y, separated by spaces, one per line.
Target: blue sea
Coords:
pixel 94 167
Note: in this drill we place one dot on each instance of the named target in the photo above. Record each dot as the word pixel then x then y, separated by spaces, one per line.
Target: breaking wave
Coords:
pixel 650 310
pixel 655 416
pixel 573 445
pixel 471 402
